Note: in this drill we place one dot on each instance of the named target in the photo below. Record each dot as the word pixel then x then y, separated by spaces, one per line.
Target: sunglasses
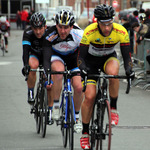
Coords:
pixel 105 24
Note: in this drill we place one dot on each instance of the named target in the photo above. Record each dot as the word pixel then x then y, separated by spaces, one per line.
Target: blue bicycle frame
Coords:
pixel 67 89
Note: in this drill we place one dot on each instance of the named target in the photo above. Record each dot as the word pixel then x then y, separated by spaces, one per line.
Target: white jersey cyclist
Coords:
pixel 63 47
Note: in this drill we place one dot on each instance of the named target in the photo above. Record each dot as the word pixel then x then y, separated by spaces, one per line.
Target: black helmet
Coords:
pixel 65 17
pixel 104 12
pixel 37 20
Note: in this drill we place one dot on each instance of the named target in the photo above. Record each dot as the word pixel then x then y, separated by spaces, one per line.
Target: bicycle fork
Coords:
pixel 67 103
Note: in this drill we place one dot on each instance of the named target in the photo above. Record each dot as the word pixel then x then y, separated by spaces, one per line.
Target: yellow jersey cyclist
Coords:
pixel 97 51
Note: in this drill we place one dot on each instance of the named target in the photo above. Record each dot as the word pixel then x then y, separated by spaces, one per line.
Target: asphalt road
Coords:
pixel 17 125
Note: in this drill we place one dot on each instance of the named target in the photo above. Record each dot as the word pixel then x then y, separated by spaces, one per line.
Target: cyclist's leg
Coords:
pixel 77 97
pixel 112 67
pixel 86 111
pixel 6 44
pixel 6 41
pixel 56 65
pixel 34 63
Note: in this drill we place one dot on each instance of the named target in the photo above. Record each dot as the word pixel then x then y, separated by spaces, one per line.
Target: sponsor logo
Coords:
pixel 97 40
pixel 84 39
pixel 64 46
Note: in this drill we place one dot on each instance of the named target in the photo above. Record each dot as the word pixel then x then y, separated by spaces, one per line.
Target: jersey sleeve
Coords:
pixel 26 44
pixel 124 36
pixel 85 40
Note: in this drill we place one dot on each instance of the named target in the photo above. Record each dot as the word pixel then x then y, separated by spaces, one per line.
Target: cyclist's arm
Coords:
pixel 26 45
pixel 83 51
pixel 25 56
pixel 125 50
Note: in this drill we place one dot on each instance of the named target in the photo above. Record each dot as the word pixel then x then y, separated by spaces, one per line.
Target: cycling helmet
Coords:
pixel 37 20
pixel 104 12
pixel 3 19
pixel 65 17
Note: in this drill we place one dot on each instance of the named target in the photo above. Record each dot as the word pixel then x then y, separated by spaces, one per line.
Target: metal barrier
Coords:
pixel 141 65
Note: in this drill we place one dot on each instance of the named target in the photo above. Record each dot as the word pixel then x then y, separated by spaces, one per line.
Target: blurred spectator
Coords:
pixel 125 22
pixel 142 31
pixel 144 19
pixel 141 10
pixel 147 12
pixel 135 14
pixel 18 19
pixel 132 19
pixel 24 16
pixel 31 13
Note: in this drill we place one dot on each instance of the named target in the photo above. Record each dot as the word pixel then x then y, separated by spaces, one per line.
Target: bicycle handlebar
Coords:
pixel 39 70
pixel 107 77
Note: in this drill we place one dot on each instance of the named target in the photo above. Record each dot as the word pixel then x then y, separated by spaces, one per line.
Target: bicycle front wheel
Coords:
pixel 37 110
pixel 104 140
pixel 44 111
pixel 71 122
pixel 64 130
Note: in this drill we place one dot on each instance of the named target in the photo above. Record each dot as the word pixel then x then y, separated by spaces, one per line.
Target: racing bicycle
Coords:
pixel 40 108
pixel 100 125
pixel 67 117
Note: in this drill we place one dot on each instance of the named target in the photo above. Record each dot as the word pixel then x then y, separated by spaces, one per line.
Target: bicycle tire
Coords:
pixel 64 130
pixel 92 129
pixel 44 112
pixel 104 127
pixel 37 110
pixel 70 121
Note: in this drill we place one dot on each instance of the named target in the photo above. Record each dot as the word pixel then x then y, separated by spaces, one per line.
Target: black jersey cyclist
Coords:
pixel 63 40
pixel 33 54
pixel 97 51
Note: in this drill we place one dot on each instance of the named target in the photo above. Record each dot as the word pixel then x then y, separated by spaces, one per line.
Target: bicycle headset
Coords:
pixel 65 17
pixel 104 13
pixel 37 20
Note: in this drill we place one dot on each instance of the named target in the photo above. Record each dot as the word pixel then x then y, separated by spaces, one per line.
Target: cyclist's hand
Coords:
pixel 130 74
pixel 48 86
pixel 26 70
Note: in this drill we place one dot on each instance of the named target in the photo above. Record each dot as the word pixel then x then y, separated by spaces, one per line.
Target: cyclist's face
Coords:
pixel 39 31
pixel 63 30
pixel 106 27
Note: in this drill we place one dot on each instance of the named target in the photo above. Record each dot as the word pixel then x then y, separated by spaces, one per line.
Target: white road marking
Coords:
pixel 5 63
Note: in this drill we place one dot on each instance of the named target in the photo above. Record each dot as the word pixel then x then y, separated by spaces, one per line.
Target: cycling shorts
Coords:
pixel 38 57
pixel 96 63
pixel 70 60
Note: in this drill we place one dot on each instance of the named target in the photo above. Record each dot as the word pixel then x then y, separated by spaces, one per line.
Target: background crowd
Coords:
pixel 23 17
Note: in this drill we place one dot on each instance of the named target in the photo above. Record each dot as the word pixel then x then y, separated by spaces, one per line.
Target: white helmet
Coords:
pixel 3 19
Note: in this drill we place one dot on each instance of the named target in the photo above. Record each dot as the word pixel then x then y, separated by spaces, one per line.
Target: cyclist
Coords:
pixel 5 27
pixel 33 54
pixel 64 39
pixel 97 51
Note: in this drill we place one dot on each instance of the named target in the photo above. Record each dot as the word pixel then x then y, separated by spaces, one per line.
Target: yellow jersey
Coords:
pixel 100 45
